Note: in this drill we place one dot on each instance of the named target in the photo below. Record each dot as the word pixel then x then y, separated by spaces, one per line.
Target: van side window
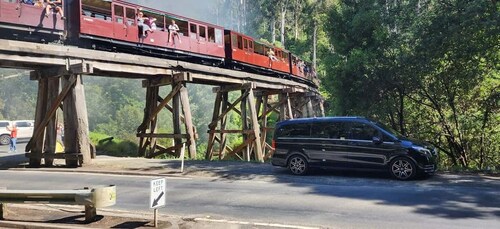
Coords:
pixel 332 130
pixel 361 131
pixel 295 130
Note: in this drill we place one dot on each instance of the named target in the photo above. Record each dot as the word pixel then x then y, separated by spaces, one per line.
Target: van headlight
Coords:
pixel 422 150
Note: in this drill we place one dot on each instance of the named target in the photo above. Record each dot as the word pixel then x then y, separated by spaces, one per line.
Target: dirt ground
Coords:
pixel 73 217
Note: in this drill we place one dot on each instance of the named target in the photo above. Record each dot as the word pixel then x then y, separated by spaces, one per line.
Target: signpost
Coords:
pixel 157 197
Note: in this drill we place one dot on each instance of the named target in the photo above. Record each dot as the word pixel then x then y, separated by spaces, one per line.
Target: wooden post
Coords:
pixel 151 102
pixel 213 126
pixel 282 101
pixel 255 126
pixel 244 123
pixel 41 108
pixel 76 139
pixel 265 100
pixel 90 213
pixel 310 111
pixel 153 123
pixel 222 136
pixel 289 107
pixel 321 107
pixel 176 118
pixel 3 211
pixel 188 121
pixel 51 130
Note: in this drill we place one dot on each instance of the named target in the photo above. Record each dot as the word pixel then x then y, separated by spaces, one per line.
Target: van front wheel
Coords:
pixel 298 165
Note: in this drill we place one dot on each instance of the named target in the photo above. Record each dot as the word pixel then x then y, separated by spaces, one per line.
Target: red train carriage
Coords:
pixel 20 20
pixel 114 24
pixel 242 49
pixel 116 21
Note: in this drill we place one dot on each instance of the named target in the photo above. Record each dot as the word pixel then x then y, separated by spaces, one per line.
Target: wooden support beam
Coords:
pixel 168 79
pixel 310 111
pixel 170 150
pixel 230 88
pixel 265 100
pixel 76 133
pixel 151 98
pixel 51 130
pixel 224 113
pixel 255 126
pixel 51 112
pixel 223 122
pixel 230 132
pixel 241 147
pixel 244 123
pixel 289 107
pixel 159 135
pixel 211 137
pixel 176 115
pixel 160 106
pixel 41 109
pixel 188 121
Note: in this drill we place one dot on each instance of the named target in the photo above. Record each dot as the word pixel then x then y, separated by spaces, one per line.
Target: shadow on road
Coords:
pixel 443 195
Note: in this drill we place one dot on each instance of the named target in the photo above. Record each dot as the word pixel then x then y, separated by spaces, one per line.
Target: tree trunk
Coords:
pixel 273 30
pixel 315 41
pixel 283 24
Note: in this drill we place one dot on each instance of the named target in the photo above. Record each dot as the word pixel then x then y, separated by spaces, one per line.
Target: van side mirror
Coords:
pixel 377 140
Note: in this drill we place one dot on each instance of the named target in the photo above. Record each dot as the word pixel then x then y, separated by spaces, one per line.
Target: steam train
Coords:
pixel 114 25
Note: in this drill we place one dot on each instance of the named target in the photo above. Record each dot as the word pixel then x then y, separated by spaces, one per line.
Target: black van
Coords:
pixel 349 143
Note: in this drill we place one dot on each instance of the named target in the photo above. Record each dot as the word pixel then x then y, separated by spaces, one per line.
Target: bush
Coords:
pixel 106 145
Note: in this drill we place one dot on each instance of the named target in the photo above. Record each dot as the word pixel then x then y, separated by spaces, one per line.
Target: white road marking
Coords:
pixel 254 224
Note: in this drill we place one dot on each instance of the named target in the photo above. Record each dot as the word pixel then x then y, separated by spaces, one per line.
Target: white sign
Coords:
pixel 158 193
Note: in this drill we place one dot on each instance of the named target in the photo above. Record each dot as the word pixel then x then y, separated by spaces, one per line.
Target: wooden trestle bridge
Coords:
pixel 59 71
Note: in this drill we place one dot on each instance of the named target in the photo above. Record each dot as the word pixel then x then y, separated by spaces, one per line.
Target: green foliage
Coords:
pixel 105 145
pixel 428 69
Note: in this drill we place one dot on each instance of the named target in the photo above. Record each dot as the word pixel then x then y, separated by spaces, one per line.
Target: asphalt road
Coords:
pixel 325 200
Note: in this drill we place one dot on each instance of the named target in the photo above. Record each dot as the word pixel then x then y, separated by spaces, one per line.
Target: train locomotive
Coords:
pixel 115 25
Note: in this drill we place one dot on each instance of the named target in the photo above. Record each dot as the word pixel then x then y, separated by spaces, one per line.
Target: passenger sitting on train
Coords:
pixel 151 22
pixel 54 5
pixel 300 65
pixel 271 55
pixel 173 30
pixel 143 27
pixel 39 3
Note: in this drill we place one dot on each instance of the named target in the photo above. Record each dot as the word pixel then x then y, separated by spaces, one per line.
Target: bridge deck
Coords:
pixel 27 55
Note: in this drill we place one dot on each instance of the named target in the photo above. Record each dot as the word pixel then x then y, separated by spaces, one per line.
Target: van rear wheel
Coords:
pixel 403 169
pixel 298 165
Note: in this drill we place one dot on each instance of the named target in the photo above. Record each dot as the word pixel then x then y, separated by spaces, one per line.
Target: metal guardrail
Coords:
pixel 91 198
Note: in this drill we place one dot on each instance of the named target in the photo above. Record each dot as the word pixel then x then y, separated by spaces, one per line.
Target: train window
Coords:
pixel 218 36
pixel 203 33
pixel 259 48
pixel 245 43
pixel 130 16
pixel 192 31
pixel 211 34
pixel 240 42
pixel 118 10
pixel 227 39
pixel 234 40
pixel 98 9
pixel 250 45
pixel 285 56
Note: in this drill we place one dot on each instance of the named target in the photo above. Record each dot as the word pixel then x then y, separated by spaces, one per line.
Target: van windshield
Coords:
pixel 388 129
